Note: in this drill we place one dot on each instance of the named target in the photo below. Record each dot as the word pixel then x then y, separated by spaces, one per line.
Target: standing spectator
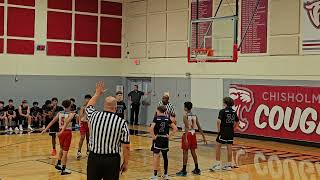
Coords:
pixel 105 142
pixel 24 113
pixel 135 98
pixel 11 114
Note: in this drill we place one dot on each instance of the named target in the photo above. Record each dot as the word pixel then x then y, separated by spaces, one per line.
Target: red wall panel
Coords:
pixel 110 30
pixel 20 46
pixel 59 25
pixel 21 22
pixel 1 1
pixel 112 8
pixel 58 49
pixel 60 4
pixel 86 28
pixel 110 51
pixel 87 6
pixel 85 50
pixel 1 45
pixel 1 20
pixel 22 2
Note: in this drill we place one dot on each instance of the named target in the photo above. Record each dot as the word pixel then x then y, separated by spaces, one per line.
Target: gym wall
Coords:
pixel 82 38
pixel 42 88
pixel 156 34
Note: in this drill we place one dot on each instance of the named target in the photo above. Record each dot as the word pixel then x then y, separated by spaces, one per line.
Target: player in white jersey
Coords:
pixel 189 139
pixel 65 135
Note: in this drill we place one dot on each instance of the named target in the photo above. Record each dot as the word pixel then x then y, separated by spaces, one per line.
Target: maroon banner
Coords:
pixel 255 40
pixel 201 9
pixel 285 112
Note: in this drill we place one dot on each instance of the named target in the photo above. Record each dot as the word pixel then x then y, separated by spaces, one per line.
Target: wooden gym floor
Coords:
pixel 27 156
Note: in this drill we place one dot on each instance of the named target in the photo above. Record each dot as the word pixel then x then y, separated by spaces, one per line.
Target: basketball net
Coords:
pixel 201 54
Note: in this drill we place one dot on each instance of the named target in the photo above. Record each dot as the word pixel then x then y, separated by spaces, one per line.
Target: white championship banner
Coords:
pixel 310 30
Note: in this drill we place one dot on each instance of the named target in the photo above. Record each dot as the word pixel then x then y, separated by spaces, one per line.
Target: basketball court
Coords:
pixel 256 159
pixel 264 54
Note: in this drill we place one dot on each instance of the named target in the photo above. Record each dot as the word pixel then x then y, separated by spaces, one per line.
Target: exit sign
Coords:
pixel 41 47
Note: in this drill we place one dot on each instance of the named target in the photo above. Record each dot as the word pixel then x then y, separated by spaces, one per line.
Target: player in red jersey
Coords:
pixel 65 135
pixel 84 128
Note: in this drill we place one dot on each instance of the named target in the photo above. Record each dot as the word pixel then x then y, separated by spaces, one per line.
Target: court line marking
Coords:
pixel 58 170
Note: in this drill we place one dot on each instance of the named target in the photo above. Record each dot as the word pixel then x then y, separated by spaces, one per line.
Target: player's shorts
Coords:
pixel 65 139
pixel 225 136
pixel 192 141
pixel 54 129
pixel 161 143
pixel 84 128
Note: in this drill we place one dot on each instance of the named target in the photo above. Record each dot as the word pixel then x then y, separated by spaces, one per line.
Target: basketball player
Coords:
pixel 11 114
pixel 189 139
pixel 24 113
pixel 84 128
pixel 226 123
pixel 36 114
pixel 73 109
pixel 63 118
pixel 55 127
pixel 160 134
pixel 3 115
pixel 121 106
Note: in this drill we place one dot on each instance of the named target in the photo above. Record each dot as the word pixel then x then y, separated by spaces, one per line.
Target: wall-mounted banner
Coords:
pixel 310 22
pixel 201 9
pixel 255 40
pixel 285 112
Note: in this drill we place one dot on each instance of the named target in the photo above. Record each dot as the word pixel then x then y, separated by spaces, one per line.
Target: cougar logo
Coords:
pixel 313 9
pixel 243 101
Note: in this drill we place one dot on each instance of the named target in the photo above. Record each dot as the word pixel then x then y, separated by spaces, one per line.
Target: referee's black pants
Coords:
pixel 106 166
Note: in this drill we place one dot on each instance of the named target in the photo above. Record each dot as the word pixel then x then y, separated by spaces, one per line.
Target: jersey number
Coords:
pixel 162 127
pixel 62 121
pixel 230 118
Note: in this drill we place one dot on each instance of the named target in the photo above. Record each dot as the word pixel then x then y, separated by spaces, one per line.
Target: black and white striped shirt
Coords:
pixel 169 107
pixel 108 132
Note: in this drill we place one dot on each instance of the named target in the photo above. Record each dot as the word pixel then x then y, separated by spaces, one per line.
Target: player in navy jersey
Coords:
pixel 226 123
pixel 121 106
pixel 55 127
pixel 160 128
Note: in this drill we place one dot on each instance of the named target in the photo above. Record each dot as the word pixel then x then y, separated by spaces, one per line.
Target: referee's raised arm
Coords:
pixel 108 133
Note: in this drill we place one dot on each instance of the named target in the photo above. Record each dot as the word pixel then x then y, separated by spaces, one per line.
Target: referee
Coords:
pixel 165 102
pixel 107 132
